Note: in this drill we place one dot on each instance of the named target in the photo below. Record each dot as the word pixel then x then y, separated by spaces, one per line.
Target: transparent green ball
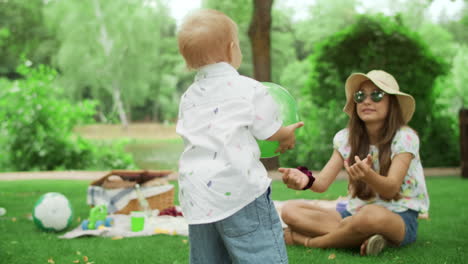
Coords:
pixel 288 113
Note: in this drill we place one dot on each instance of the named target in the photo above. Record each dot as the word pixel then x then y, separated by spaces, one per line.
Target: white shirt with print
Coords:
pixel 413 189
pixel 220 117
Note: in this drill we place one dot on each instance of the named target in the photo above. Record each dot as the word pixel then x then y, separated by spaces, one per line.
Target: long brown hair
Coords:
pixel 360 145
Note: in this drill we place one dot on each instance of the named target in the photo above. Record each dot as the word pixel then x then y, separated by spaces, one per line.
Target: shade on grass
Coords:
pixel 441 239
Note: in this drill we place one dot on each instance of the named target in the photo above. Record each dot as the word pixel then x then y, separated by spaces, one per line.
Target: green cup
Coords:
pixel 137 220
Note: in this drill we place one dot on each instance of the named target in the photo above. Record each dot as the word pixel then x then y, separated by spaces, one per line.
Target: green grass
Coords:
pixel 158 154
pixel 152 145
pixel 441 239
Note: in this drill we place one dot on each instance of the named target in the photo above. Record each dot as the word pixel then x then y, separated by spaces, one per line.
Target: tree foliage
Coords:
pixel 452 93
pixel 23 34
pixel 326 17
pixel 124 55
pixel 120 52
pixel 36 131
pixel 458 27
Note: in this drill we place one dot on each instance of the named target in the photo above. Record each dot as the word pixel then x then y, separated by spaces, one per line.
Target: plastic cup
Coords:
pixel 137 221
pixel 288 112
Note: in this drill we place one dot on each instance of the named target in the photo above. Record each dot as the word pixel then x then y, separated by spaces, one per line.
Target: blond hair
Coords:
pixel 205 37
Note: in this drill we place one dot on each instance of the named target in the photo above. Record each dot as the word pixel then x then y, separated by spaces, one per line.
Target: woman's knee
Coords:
pixel 289 213
pixel 369 220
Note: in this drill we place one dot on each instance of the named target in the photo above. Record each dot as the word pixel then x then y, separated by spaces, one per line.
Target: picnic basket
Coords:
pixel 124 181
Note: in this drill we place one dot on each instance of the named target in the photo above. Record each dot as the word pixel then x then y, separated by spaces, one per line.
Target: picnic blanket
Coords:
pixel 121 227
pixel 173 225
pixel 161 224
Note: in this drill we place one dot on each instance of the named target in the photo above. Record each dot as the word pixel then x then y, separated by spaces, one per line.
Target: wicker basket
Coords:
pixel 132 177
pixel 160 202
pixel 129 178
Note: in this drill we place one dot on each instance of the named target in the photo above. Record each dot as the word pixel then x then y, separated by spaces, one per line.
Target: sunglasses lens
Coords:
pixel 377 96
pixel 359 97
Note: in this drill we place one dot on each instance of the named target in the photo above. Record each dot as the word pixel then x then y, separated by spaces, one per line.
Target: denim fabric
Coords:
pixel 410 217
pixel 251 235
pixel 344 213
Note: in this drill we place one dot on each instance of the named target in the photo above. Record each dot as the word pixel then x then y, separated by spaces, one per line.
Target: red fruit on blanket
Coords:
pixel 172 211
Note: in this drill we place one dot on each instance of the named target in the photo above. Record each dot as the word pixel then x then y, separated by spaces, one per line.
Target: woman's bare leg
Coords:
pixel 310 220
pixel 354 230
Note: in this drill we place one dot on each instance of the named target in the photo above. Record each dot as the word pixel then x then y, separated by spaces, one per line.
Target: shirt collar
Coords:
pixel 215 70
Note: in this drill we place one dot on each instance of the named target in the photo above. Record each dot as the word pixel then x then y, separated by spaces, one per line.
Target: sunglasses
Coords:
pixel 376 96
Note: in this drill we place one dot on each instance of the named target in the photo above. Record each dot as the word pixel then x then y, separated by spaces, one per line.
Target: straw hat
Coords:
pixel 386 83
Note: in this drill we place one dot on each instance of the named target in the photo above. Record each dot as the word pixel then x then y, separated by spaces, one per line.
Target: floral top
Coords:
pixel 220 117
pixel 413 190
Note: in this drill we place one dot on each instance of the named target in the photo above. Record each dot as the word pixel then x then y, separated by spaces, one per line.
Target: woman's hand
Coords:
pixel 294 178
pixel 359 170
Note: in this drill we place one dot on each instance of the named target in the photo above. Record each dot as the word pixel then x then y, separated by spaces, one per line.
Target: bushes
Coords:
pixel 375 42
pixel 314 140
pixel 36 129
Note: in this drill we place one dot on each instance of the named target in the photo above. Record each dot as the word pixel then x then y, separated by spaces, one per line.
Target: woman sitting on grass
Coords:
pixel 386 187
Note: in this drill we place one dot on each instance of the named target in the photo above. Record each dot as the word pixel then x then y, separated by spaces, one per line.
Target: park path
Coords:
pixel 92 175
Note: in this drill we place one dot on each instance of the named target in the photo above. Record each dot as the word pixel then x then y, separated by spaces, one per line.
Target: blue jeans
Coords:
pixel 410 217
pixel 251 235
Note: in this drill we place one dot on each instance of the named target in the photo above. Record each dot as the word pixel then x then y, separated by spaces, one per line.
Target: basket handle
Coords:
pixel 140 176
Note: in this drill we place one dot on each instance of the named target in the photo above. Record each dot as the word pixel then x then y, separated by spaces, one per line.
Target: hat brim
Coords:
pixel 354 81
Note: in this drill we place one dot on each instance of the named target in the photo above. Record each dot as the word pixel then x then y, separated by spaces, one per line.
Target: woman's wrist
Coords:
pixel 309 175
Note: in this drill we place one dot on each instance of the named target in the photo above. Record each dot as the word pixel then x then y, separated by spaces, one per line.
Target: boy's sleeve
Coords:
pixel 266 119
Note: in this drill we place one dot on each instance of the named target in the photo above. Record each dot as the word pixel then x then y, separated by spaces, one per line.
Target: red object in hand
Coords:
pixel 172 211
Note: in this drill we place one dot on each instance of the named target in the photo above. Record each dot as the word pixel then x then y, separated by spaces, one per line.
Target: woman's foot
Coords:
pixel 373 246
pixel 288 236
pixel 293 238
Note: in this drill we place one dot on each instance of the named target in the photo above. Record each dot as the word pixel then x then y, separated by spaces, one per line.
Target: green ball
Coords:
pixel 288 112
pixel 52 212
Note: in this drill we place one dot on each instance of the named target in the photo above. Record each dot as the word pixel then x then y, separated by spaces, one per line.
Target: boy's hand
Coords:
pixel 294 178
pixel 359 170
pixel 287 140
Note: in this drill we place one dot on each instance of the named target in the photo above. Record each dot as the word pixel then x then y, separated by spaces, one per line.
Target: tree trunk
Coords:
pixel 102 117
pixel 259 34
pixel 119 104
pixel 464 142
pixel 107 43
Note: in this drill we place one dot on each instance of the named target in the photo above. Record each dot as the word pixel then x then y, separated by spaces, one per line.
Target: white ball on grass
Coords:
pixel 52 212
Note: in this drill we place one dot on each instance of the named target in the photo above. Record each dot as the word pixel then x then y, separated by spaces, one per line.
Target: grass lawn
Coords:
pixel 442 239
pixel 152 145
pixel 156 154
